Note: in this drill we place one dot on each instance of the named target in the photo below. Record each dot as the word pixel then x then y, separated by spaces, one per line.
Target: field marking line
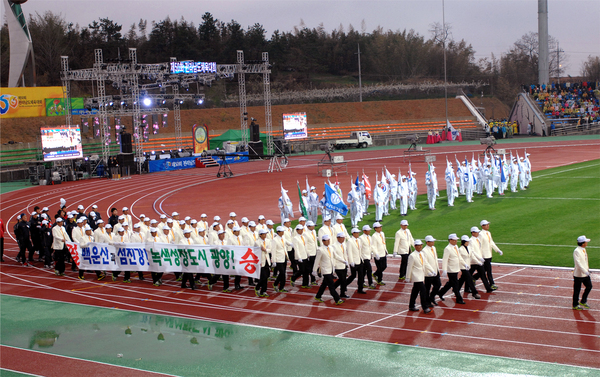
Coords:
pixel 20 372
pixel 541 198
pixel 86 360
pixel 544 245
pixel 563 171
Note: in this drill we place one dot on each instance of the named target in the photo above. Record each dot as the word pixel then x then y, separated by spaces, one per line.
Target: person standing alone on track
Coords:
pixel 581 274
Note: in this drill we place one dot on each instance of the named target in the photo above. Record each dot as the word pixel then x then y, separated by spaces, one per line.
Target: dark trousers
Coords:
pixel 311 264
pixel 467 280
pixel 215 279
pixel 59 257
pixel 264 276
pixel 403 264
pixel 367 272
pixel 23 246
pixel 487 268
pixel 2 248
pixel 36 246
pixel 187 276
pixel 352 276
pixel 327 282
pixel 432 286
pixel 587 282
pixel 452 283
pixel 418 289
pixel 199 275
pixel 126 277
pixel 302 271
pixel 480 275
pixel 293 261
pixel 47 255
pixel 381 266
pixel 341 281
pixel 156 276
pixel 280 269
pixel 98 273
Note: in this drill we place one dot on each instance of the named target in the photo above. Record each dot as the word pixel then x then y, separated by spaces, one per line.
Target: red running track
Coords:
pixel 528 318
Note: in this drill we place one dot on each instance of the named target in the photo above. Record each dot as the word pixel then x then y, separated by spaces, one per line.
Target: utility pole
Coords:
pixel 444 45
pixel 359 74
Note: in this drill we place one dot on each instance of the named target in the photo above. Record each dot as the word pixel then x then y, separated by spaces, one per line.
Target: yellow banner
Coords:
pixel 26 102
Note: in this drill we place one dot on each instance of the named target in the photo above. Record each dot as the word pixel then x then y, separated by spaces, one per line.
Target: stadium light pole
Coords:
pixel 444 46
pixel 359 75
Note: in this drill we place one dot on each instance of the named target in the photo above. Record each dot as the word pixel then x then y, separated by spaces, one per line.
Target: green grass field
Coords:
pixel 538 226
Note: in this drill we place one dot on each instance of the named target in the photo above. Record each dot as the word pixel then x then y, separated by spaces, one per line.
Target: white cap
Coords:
pixel 147 218
pixel 163 216
pixel 404 222
pixel 94 206
pixel 340 234
pixel 299 227
pixel 121 229
pixel 310 223
pixel 452 236
pixel 582 239
pixel 45 222
pixel 355 230
pixel 44 216
pixel 312 188
pixel 34 213
pixel 263 231
pixel 221 231
pixel 193 221
pixel 232 214
pixel 187 218
pixel 135 226
pixel 302 218
pixel 377 225
pixel 236 229
pixel 122 217
pixel 87 227
pixel 484 222
pixel 181 222
pixel 251 223
pixel 326 218
pixel 203 215
pixel 142 216
pixel 280 229
pixel 214 224
pixel 174 214
pixel 80 220
pixel 45 209
pixel 286 220
pixel 19 217
pixel 68 216
pixel 270 222
pixel 153 229
pixel 166 227
pixel 339 217
pixel 217 218
pixel 201 229
pixel 465 238
pixel 187 231
pixel 474 229
pixel 366 227
pixel 229 222
pixel 80 207
pixel 125 209
pixel 429 239
pixel 108 226
pixel 100 221
pixel 261 217
pixel 325 237
pixel 125 223
pixel 418 242
pixel 169 220
pixel 304 192
pixel 153 221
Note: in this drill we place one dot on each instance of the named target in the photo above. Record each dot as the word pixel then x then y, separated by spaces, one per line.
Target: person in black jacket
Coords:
pixel 114 217
pixel 23 237
pixel 35 227
pixel 47 239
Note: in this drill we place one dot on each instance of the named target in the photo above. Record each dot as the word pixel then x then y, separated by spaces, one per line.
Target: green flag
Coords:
pixel 302 206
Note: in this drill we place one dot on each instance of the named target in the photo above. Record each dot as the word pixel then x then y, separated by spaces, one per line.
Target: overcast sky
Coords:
pixel 490 26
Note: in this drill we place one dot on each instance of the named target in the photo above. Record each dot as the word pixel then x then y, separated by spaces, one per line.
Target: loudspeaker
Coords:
pixel 281 146
pixel 125 159
pixel 255 150
pixel 126 146
pixel 254 132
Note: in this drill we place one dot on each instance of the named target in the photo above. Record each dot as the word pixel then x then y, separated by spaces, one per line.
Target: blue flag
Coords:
pixel 502 176
pixel 334 202
pixel 357 183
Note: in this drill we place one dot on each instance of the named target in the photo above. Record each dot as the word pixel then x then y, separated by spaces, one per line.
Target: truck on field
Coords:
pixel 358 139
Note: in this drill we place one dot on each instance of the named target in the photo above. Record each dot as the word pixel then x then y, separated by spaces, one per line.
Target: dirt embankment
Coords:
pixel 221 119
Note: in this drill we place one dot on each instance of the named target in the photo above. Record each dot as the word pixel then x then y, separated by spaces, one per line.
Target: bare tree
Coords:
pixel 590 69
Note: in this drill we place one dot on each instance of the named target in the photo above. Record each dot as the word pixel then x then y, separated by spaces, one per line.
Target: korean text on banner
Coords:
pixel 26 102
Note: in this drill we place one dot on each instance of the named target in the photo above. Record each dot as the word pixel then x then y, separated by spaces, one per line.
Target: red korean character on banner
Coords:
pixel 250 260
pixel 73 251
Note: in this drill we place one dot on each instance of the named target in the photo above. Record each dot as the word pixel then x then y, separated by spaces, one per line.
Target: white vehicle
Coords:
pixel 358 139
